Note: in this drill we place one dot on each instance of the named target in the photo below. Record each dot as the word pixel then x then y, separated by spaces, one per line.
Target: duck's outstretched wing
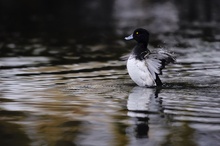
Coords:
pixel 156 61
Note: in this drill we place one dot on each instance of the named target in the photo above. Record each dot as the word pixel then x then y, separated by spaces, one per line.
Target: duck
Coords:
pixel 145 66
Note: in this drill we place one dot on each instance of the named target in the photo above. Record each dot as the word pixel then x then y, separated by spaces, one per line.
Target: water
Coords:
pixel 97 102
pixel 76 91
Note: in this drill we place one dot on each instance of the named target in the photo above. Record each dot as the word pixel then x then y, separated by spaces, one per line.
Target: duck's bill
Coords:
pixel 130 37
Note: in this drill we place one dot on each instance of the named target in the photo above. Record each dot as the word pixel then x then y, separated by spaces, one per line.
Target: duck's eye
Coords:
pixel 137 32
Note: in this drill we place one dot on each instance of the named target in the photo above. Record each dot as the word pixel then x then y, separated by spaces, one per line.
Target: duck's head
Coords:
pixel 140 35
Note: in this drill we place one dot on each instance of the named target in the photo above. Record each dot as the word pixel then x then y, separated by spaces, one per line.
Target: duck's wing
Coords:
pixel 156 61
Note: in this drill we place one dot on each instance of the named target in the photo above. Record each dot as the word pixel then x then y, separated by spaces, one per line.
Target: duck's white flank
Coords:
pixel 139 72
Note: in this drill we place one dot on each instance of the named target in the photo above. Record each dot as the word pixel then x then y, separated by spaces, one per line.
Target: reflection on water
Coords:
pixel 71 89
pixel 141 103
pixel 141 100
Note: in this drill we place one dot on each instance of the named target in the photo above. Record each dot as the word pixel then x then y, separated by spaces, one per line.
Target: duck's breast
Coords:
pixel 139 72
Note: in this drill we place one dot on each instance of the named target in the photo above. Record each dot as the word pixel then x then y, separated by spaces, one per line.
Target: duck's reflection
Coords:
pixel 141 102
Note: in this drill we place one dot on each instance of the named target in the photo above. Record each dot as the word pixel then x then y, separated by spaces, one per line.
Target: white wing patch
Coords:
pixel 156 61
pixel 154 66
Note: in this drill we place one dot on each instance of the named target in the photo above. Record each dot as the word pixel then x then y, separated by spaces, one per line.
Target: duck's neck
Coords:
pixel 140 50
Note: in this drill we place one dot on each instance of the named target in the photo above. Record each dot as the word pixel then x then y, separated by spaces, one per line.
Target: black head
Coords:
pixel 140 35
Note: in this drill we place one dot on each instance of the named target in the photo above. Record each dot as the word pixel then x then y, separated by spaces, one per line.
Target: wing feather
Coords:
pixel 156 61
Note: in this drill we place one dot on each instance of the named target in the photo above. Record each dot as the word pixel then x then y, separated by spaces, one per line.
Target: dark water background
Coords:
pixel 62 82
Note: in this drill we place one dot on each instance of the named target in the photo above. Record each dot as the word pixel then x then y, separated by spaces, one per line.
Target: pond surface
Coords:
pixel 64 93
pixel 96 103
